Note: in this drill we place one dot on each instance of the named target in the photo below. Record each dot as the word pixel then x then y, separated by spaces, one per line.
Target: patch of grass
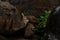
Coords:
pixel 42 20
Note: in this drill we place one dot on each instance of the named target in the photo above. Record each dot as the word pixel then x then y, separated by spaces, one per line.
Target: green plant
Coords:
pixel 42 20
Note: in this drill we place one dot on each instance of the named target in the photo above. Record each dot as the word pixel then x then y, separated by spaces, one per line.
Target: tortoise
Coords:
pixel 10 19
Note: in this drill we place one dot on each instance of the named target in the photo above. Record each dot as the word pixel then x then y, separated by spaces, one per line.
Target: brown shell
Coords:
pixel 9 19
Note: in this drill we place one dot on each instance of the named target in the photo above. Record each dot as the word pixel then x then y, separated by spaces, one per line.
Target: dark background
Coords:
pixel 34 7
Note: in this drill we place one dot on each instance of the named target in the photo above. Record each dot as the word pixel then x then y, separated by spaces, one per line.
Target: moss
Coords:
pixel 42 20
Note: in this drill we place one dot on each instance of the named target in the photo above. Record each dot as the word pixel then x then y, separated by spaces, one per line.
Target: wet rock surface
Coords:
pixel 53 24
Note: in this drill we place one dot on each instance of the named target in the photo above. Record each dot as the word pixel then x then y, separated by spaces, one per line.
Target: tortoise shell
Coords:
pixel 9 19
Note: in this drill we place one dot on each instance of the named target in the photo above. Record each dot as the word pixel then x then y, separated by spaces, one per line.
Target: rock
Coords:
pixel 53 24
pixel 29 30
pixel 52 37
